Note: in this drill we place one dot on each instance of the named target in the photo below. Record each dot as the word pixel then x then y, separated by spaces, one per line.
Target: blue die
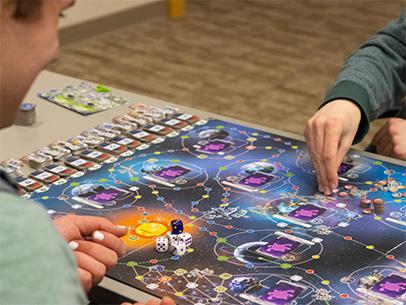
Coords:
pixel 177 226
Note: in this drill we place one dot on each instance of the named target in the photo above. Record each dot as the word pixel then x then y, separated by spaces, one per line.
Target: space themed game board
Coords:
pixel 261 232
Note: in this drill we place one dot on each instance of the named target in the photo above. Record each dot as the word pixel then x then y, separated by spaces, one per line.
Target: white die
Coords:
pixel 162 244
pixel 171 237
pixel 186 238
pixel 179 248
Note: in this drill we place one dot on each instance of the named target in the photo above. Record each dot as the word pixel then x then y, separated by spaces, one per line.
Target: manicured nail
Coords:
pixel 73 245
pixel 122 227
pixel 98 235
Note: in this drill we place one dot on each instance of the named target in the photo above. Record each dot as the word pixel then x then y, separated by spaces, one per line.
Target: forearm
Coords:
pixel 374 77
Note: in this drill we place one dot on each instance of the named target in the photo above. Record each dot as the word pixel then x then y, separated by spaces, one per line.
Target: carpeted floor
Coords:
pixel 263 61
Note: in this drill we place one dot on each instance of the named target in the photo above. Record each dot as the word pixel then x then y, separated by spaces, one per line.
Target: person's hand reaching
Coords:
pixel 390 140
pixel 96 243
pixel 329 135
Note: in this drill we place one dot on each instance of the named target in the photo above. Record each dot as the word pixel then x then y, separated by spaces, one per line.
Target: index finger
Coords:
pixel 330 150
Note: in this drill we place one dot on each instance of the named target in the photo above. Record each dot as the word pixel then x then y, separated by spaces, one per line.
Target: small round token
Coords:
pixel 367 211
pixel 349 187
pixel 397 195
pixel 342 194
pixel 378 201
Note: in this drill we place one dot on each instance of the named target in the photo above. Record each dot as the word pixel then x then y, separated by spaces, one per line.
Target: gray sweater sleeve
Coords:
pixel 374 76
pixel 36 266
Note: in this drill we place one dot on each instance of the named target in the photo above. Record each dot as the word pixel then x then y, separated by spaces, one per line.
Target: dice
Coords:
pixel 179 248
pixel 186 238
pixel 162 244
pixel 177 226
pixel 171 237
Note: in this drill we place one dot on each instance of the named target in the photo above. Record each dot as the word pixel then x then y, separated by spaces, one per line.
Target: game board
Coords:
pixel 261 232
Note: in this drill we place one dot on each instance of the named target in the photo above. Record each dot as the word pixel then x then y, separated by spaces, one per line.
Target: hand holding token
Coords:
pixel 390 140
pixel 164 301
pixel 329 135
pixel 96 244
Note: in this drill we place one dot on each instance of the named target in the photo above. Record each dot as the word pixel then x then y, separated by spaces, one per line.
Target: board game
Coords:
pixel 262 234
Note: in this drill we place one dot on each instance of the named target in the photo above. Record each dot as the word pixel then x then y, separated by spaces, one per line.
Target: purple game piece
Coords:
pixel 392 286
pixel 171 172
pixel 215 146
pixel 106 195
pixel 256 180
pixel 278 247
pixel 307 212
pixel 282 293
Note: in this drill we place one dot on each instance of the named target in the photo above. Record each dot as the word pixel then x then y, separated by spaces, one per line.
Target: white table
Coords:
pixel 55 123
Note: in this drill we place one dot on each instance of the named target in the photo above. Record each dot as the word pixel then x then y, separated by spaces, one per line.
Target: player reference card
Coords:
pixel 84 98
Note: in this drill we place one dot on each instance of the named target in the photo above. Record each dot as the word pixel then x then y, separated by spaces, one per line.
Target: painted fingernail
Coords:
pixel 122 227
pixel 98 235
pixel 73 245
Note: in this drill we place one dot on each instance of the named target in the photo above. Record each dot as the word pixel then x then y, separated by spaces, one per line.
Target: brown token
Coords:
pixel 367 211
pixel 365 203
pixel 379 211
pixel 378 201
pixel 342 194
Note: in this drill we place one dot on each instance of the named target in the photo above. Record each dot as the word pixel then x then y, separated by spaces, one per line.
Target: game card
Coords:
pixel 172 172
pixel 158 129
pixel 113 148
pixel 174 123
pixel 126 142
pixel 392 286
pixel 94 155
pixel 28 184
pixel 78 163
pixel 100 196
pixel 307 212
pixel 44 177
pixel 214 147
pixel 191 119
pixel 60 170
pixel 278 247
pixel 256 180
pixel 142 136
pixel 281 294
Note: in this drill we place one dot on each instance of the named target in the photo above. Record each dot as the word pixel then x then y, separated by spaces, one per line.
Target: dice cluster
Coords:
pixel 176 240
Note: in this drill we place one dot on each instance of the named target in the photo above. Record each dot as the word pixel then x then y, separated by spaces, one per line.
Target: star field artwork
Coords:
pixel 262 234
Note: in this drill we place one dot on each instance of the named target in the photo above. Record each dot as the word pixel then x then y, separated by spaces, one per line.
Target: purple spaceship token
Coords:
pixel 307 212
pixel 282 293
pixel 392 286
pixel 256 180
pixel 171 172
pixel 106 195
pixel 215 146
pixel 278 247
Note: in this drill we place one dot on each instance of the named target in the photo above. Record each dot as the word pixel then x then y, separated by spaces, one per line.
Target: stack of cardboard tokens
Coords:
pixel 365 203
pixel 379 206
pixel 26 115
